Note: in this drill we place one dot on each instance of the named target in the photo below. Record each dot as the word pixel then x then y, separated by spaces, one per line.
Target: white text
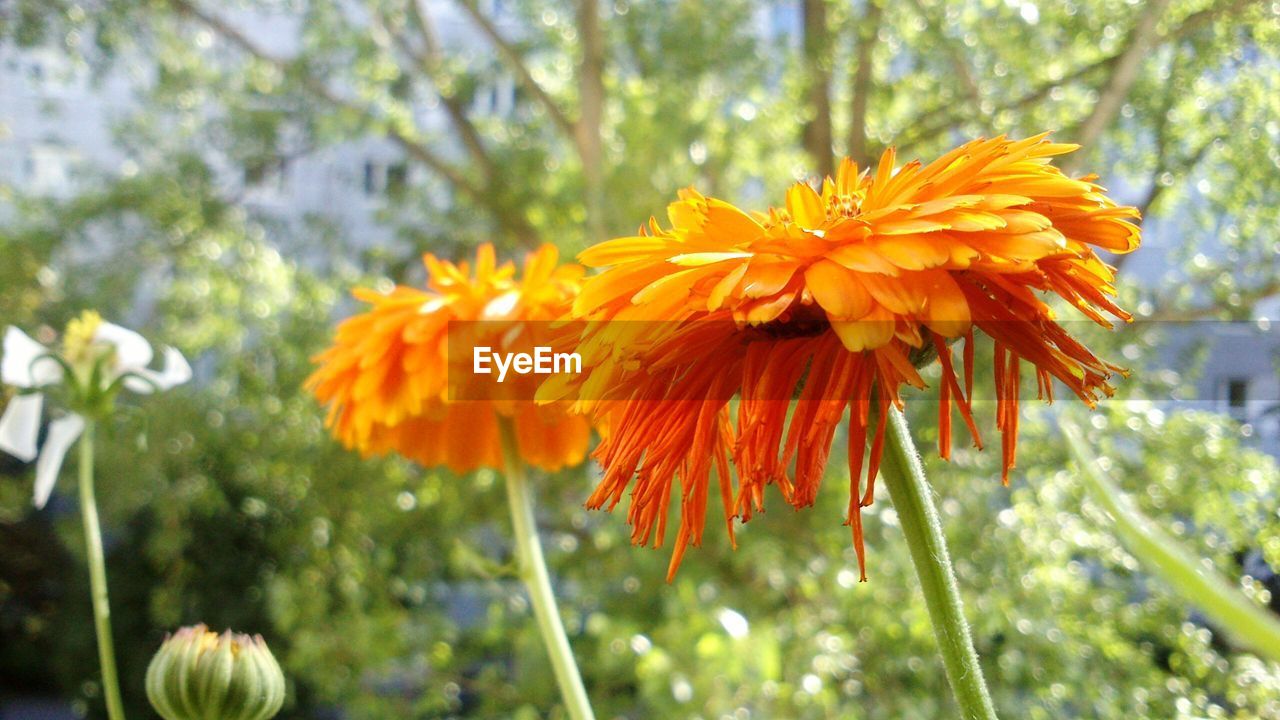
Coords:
pixel 541 362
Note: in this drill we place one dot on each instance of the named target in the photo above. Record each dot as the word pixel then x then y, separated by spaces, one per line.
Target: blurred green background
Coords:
pixel 219 174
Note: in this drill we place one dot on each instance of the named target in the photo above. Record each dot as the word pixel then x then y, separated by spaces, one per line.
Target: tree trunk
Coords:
pixel 868 31
pixel 591 118
pixel 817 66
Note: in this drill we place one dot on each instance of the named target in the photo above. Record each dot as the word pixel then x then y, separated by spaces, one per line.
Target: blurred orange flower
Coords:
pixel 833 302
pixel 386 378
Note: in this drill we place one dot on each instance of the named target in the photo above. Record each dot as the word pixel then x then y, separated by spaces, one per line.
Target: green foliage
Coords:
pixel 385 589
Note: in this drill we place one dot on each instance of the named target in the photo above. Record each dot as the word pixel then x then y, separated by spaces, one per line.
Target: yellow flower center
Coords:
pixel 77 341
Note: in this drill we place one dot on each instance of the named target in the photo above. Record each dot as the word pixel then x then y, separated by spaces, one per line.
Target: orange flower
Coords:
pixel 828 304
pixel 386 379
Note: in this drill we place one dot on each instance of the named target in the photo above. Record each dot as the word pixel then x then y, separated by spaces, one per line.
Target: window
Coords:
pixel 266 173
pixel 1237 393
pixel 1232 397
pixel 384 178
pixel 397 178
pixel 498 97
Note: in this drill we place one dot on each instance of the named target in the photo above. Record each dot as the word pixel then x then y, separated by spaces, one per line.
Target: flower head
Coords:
pixel 830 303
pixel 79 340
pixel 202 675
pixel 98 359
pixel 386 379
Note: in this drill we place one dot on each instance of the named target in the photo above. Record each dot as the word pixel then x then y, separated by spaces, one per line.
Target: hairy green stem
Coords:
pixel 98 577
pixel 533 571
pixel 904 475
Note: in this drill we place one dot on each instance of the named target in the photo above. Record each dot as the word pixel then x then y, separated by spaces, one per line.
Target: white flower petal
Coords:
pixel 21 366
pixel 62 433
pixel 176 372
pixel 133 352
pixel 20 426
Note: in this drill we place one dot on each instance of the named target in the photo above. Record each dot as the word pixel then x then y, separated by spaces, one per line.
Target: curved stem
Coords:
pixel 533 571
pixel 1165 556
pixel 98 577
pixel 909 490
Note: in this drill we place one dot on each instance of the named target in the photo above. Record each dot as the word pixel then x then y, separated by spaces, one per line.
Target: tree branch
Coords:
pixel 411 146
pixel 868 33
pixel 938 120
pixel 1157 188
pixel 514 222
pixel 1200 312
pixel 514 60
pixel 958 60
pixel 1112 96
pixel 431 61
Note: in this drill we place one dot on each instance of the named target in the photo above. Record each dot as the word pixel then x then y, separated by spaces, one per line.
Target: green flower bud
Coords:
pixel 201 675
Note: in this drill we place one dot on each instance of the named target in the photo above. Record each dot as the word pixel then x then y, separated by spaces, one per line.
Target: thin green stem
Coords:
pixel 533 571
pixel 913 501
pixel 98 577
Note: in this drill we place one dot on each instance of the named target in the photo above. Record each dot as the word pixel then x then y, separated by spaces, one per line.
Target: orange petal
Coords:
pixel 837 290
pixel 725 287
pixel 621 250
pixel 947 310
pixel 729 225
pixel 767 277
pixel 873 330
pixel 903 296
pixel 913 252
pixel 863 259
pixel 805 206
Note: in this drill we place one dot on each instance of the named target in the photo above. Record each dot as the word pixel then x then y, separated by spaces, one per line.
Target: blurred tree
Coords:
pixel 383 588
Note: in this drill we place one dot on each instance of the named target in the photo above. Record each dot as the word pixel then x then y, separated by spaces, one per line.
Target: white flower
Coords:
pixel 28 365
